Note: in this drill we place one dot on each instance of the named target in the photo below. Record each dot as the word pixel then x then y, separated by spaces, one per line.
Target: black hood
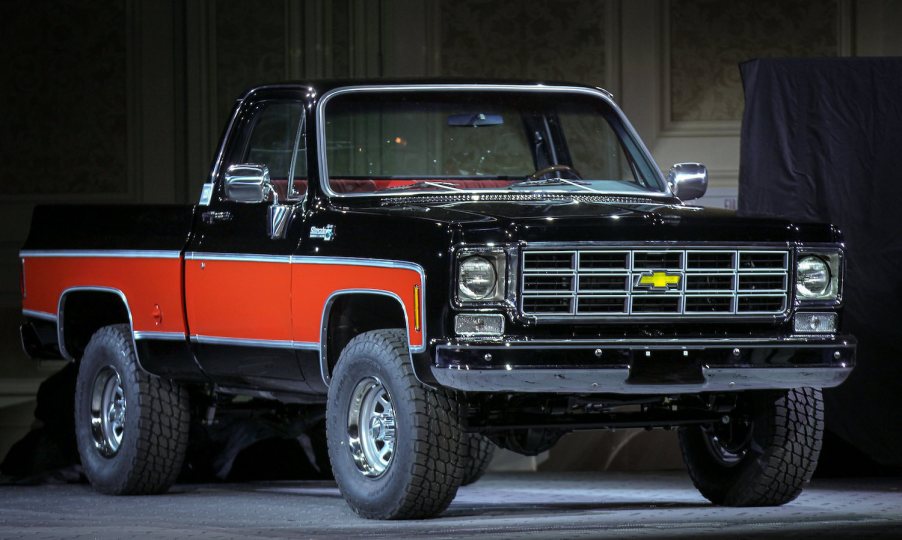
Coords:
pixel 569 220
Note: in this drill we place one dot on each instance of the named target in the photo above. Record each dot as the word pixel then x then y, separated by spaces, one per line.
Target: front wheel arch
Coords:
pixel 349 313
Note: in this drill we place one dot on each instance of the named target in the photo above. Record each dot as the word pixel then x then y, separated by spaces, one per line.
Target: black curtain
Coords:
pixel 822 141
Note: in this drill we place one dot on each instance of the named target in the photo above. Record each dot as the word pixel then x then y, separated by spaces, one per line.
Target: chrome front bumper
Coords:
pixel 673 366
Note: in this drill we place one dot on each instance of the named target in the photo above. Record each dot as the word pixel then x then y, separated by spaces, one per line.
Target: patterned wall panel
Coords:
pixel 250 48
pixel 708 38
pixel 546 39
pixel 64 113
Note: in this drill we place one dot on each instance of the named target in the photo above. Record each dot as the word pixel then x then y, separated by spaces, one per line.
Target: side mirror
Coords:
pixel 688 181
pixel 248 183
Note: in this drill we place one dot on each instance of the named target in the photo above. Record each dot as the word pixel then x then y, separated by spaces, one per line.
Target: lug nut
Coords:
pixel 487 357
pixel 837 355
pixel 598 353
pixel 735 352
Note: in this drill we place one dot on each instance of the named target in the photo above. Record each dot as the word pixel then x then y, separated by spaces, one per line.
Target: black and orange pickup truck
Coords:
pixel 447 267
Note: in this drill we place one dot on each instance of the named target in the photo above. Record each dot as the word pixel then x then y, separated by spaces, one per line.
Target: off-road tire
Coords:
pixel 156 422
pixel 787 429
pixel 425 469
pixel 478 452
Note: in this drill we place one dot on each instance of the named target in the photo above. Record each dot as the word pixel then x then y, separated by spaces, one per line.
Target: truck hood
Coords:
pixel 568 220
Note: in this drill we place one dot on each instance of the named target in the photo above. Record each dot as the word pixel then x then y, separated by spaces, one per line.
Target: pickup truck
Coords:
pixel 447 268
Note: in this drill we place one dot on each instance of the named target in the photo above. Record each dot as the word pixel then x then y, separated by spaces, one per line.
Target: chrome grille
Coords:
pixel 608 283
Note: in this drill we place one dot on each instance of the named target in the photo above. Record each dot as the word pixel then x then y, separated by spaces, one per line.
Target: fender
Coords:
pixel 327 310
pixel 60 318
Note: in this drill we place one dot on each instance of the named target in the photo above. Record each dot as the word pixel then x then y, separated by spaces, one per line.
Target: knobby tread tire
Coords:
pixel 427 479
pixel 783 453
pixel 478 452
pixel 155 438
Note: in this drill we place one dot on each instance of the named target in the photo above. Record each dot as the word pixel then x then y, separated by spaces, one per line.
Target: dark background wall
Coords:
pixel 122 101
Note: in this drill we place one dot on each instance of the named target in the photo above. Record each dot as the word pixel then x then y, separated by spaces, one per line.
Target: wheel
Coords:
pixel 131 427
pixel 394 444
pixel 764 456
pixel 478 453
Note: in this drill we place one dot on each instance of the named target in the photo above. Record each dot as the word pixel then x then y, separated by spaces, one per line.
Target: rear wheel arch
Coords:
pixel 348 313
pixel 84 310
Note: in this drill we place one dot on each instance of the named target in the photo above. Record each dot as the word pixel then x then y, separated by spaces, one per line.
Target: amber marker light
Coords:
pixel 416 308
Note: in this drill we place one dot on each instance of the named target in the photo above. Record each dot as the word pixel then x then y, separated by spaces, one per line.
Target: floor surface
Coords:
pixel 527 505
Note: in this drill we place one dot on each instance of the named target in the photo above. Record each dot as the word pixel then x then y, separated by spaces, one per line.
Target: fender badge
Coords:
pixel 326 233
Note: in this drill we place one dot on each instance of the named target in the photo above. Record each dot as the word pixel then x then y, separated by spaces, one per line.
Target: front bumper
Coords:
pixel 668 366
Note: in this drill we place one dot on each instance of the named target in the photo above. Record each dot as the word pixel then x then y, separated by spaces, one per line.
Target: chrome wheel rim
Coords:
pixel 108 407
pixel 371 427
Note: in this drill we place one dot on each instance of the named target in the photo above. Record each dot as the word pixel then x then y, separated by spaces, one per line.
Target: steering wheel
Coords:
pixel 573 173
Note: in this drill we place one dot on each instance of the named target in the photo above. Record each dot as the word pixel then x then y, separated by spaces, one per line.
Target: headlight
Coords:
pixel 817 276
pixel 812 277
pixel 481 276
pixel 477 278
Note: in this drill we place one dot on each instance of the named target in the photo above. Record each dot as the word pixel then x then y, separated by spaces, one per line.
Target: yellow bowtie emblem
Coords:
pixel 660 280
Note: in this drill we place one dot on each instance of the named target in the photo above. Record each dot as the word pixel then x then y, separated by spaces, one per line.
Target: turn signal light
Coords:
pixel 478 324
pixel 814 323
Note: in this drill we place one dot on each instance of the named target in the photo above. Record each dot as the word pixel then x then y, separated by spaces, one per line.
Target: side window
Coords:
pixel 273 136
pixel 300 161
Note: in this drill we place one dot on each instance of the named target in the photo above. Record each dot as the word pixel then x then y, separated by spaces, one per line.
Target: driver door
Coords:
pixel 237 275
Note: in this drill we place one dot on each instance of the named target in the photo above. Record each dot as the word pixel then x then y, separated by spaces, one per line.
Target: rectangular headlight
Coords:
pixel 481 276
pixel 818 275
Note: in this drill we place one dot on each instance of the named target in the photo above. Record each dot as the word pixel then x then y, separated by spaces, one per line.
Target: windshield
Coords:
pixel 427 141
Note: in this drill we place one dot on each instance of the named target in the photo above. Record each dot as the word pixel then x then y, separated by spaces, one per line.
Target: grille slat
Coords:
pixel 709 282
pixel 710 260
pixel 603 282
pixel 548 282
pixel 709 304
pixel 547 304
pixel 600 260
pixel 762 282
pixel 602 304
pixel 548 261
pixel 656 304
pixel 652 260
pixel 567 284
pixel 764 260
pixel 760 304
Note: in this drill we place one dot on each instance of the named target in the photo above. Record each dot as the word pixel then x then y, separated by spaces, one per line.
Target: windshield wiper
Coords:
pixel 553 182
pixel 422 184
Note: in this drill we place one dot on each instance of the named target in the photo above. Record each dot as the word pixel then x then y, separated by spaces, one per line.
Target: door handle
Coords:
pixel 214 217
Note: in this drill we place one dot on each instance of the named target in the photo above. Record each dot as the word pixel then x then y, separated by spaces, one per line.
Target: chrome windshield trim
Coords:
pixel 537 88
pixel 105 253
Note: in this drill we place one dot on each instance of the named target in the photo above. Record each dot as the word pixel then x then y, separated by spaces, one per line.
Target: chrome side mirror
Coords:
pixel 248 183
pixel 688 181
